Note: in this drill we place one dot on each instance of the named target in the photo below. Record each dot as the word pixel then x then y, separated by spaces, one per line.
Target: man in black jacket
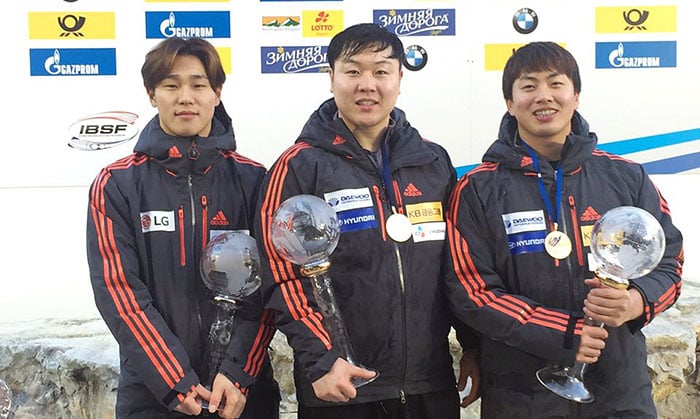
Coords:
pixel 527 295
pixel 359 153
pixel 150 215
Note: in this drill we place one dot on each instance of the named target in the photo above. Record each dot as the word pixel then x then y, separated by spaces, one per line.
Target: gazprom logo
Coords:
pixel 188 24
pixel 73 62
pixel 296 59
pixel 417 22
pixel 635 54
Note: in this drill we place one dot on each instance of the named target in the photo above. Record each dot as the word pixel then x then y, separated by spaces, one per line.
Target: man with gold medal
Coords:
pixel 518 231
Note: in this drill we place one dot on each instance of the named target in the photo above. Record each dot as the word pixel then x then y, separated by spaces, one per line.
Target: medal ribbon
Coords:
pixel 386 177
pixel 543 191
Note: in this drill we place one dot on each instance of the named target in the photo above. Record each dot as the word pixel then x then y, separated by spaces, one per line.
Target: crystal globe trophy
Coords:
pixel 305 231
pixel 626 243
pixel 229 267
pixel 5 400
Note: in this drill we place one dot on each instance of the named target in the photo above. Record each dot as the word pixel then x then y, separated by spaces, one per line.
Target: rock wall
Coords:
pixel 69 368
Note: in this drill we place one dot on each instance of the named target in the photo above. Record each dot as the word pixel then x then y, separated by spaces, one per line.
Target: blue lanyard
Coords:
pixel 386 176
pixel 543 192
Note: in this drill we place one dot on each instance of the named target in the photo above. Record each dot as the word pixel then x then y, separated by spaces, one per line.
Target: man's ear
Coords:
pixel 152 98
pixel 509 106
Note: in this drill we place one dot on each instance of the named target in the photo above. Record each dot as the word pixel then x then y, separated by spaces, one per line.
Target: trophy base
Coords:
pixel 561 381
pixel 359 382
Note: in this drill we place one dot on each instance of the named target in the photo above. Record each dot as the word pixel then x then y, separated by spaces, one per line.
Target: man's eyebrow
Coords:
pixel 191 77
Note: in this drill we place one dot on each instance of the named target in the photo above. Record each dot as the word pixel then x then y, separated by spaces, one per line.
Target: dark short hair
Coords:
pixel 160 60
pixel 539 56
pixel 363 37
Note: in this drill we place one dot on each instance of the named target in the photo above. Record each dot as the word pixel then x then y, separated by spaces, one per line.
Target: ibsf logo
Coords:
pixel 71 24
pixel 103 130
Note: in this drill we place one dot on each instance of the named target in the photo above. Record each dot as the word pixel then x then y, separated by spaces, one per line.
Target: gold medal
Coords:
pixel 399 227
pixel 557 244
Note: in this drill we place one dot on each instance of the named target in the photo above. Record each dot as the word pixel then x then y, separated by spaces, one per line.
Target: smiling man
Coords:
pixel 518 266
pixel 150 216
pixel 359 153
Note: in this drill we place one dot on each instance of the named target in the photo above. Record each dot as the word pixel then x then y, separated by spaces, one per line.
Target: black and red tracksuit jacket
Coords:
pixel 527 305
pixel 149 216
pixel 390 294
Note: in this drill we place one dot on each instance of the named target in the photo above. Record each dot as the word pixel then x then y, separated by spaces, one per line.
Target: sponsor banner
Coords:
pixel 225 57
pixel 281 23
pixel 157 221
pixel 624 55
pixel 73 62
pixel 188 24
pixel 424 212
pixel 71 25
pixel 357 219
pixel 347 199
pixel 417 22
pixel 321 23
pixel 635 19
pixel 187 1
pixel 102 130
pixel 496 55
pixel 429 232
pixel 518 222
pixel 527 242
pixel 294 59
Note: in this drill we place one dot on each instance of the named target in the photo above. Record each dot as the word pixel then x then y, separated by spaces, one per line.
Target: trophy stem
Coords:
pixel 220 334
pixel 333 321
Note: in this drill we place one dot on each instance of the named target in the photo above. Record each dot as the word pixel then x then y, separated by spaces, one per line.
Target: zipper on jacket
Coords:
pixel 205 217
pixel 577 230
pixel 193 218
pixel 380 206
pixel 402 283
pixel 181 224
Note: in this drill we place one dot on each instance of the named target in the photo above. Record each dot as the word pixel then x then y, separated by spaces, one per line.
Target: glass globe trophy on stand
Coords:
pixel 305 231
pixel 5 400
pixel 626 243
pixel 230 269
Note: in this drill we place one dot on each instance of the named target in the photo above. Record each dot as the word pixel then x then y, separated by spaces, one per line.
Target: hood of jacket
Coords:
pixel 509 151
pixel 188 155
pixel 327 131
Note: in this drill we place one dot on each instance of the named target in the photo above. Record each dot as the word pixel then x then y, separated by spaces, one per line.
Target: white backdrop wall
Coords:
pixel 454 100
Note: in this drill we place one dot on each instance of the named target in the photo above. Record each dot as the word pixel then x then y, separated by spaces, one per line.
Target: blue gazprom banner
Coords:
pixel 188 24
pixel 73 61
pixel 625 55
pixel 417 22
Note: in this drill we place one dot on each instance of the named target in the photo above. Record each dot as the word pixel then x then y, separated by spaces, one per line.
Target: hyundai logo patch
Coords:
pixel 525 20
pixel 416 58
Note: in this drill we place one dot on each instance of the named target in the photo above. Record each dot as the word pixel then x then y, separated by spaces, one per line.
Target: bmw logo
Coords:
pixel 416 58
pixel 525 20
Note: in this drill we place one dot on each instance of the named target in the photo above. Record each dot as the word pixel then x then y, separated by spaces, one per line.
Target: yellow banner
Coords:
pixel 187 1
pixel 496 55
pixel 586 234
pixel 635 19
pixel 71 25
pixel 321 23
pixel 424 212
pixel 225 57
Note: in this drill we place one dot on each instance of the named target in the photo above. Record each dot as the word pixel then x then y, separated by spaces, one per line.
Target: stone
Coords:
pixel 59 368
